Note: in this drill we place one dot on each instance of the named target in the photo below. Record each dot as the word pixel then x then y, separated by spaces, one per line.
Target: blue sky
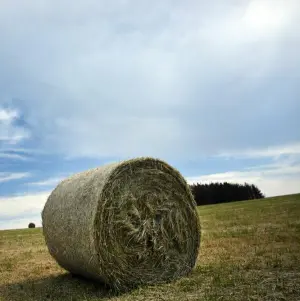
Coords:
pixel 212 88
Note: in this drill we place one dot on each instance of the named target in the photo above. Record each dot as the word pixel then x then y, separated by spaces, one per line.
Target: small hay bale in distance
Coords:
pixel 125 224
pixel 31 225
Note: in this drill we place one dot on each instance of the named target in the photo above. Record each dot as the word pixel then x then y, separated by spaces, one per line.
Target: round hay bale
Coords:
pixel 124 224
pixel 31 225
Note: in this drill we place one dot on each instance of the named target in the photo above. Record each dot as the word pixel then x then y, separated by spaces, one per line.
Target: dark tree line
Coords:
pixel 215 193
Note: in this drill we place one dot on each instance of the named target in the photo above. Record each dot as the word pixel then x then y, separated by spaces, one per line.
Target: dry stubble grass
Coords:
pixel 249 251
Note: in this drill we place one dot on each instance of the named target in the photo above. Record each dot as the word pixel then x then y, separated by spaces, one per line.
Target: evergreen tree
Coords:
pixel 215 193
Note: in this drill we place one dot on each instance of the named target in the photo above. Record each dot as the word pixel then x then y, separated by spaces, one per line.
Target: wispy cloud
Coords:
pixel 6 176
pixel 48 182
pixel 270 152
pixel 14 156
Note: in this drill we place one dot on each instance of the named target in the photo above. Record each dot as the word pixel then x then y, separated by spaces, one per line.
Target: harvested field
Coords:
pixel 249 251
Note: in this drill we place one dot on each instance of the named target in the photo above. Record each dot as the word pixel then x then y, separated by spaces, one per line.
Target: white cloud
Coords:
pixel 24 151
pixel 18 207
pixel 18 210
pixel 7 115
pixel 127 78
pixel 16 154
pixel 48 182
pixel 13 156
pixel 10 133
pixel 266 17
pixel 8 176
pixel 272 179
pixel 271 152
pixel 20 223
pixel 280 177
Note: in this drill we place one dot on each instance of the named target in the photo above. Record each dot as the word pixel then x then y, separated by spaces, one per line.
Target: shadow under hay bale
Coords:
pixel 124 224
pixel 59 287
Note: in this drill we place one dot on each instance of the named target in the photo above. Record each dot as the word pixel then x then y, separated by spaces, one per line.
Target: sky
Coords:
pixel 210 87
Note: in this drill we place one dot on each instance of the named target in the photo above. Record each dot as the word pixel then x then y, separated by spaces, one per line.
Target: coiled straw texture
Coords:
pixel 124 224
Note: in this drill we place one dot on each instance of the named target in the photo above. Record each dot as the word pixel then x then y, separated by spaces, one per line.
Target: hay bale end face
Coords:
pixel 124 224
